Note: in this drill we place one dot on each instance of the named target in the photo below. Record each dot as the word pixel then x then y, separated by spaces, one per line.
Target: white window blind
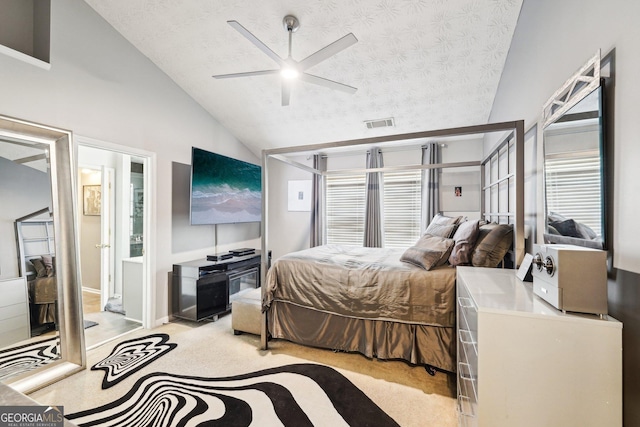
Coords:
pixel 401 208
pixel 345 208
pixel 573 189
pixel 345 199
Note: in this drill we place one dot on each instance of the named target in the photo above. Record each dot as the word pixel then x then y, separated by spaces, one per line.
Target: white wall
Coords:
pixel 553 40
pixel 99 86
pixel 287 231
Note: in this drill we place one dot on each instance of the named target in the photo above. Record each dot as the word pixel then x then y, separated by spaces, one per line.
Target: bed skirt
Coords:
pixel 414 343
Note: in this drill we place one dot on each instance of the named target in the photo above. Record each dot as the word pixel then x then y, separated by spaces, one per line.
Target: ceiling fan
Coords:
pixel 291 69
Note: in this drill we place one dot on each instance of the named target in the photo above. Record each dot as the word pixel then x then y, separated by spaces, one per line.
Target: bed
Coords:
pixel 364 300
pixel 395 303
pixel 384 303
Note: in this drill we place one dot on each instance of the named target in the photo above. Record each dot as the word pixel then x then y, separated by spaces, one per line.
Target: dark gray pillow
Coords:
pixel 428 252
pixel 567 227
pixel 465 238
pixel 492 246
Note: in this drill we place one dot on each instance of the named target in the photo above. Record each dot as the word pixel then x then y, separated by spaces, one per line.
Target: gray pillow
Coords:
pixel 428 252
pixel 441 230
pixel 442 225
pixel 586 231
pixel 465 238
pixel 445 220
pixel 47 260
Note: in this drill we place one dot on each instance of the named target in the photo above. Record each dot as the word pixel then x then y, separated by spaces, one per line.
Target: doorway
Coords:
pixel 114 262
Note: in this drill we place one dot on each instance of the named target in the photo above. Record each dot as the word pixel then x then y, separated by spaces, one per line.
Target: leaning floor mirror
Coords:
pixel 573 142
pixel 41 333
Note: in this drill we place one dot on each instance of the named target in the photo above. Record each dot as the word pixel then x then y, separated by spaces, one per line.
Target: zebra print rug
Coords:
pixel 294 395
pixel 17 360
pixel 132 355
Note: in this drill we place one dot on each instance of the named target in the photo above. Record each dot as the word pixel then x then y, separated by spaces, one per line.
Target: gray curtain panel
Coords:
pixel 373 219
pixel 317 198
pixel 430 184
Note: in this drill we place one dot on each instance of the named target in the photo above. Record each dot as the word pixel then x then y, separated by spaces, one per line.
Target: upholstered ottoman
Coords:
pixel 246 312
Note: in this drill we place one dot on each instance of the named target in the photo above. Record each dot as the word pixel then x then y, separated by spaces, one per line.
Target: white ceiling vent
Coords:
pixel 380 123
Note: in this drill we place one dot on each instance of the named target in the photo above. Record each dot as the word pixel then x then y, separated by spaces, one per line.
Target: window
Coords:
pixel 402 196
pixel 573 188
pixel 345 197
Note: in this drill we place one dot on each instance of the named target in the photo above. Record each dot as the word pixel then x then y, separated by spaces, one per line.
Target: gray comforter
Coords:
pixel 365 283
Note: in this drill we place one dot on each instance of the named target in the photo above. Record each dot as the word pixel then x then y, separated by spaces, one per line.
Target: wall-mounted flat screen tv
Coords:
pixel 224 190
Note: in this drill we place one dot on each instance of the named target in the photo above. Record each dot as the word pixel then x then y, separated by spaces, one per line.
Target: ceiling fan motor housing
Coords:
pixel 291 23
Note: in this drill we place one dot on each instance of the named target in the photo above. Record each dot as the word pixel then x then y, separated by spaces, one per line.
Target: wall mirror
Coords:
pixel 574 151
pixel 41 333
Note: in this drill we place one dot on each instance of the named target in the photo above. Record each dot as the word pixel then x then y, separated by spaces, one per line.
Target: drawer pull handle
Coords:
pixel 462 398
pixel 465 302
pixel 465 374
pixel 466 337
pixel 544 290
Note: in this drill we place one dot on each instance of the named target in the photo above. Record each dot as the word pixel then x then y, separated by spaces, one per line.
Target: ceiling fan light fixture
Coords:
pixel 289 73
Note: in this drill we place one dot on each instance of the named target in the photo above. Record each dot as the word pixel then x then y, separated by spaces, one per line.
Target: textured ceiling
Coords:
pixel 429 64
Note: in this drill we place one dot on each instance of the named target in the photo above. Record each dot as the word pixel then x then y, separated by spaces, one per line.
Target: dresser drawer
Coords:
pixel 468 316
pixel 467 350
pixel 467 398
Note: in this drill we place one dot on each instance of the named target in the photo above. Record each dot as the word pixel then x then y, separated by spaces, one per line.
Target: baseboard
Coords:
pixel 91 290
pixel 161 321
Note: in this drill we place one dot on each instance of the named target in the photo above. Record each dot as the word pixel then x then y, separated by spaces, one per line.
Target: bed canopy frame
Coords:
pixel 501 175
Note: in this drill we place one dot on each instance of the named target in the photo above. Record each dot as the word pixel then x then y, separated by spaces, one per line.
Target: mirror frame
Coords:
pixel 581 84
pixel 63 164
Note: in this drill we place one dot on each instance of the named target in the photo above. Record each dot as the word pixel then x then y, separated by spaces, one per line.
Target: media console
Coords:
pixel 204 289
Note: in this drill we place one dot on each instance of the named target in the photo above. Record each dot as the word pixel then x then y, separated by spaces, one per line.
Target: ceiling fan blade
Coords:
pixel 286 92
pixel 247 74
pixel 328 51
pixel 310 78
pixel 253 39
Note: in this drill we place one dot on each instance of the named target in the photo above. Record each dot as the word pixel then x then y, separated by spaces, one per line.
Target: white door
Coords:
pixel 107 228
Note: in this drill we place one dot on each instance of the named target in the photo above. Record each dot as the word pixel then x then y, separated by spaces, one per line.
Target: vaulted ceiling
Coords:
pixel 428 64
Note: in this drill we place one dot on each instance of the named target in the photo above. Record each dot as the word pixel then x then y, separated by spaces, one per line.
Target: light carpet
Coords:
pixel 406 393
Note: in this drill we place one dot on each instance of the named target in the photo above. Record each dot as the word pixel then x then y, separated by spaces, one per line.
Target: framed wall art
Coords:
pixel 92 199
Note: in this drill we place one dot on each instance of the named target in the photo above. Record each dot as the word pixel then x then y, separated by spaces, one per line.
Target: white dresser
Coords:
pixel 14 312
pixel 523 363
